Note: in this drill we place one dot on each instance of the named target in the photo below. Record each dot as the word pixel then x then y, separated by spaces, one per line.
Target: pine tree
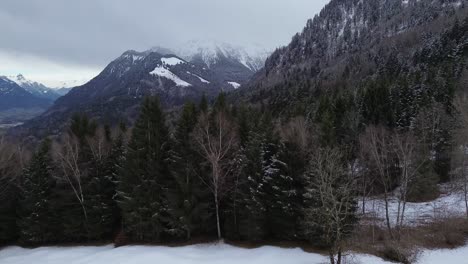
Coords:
pixel 203 104
pixel 252 211
pixel 38 219
pixel 144 176
pixel 283 189
pixel 102 210
pixel 9 198
pixel 187 196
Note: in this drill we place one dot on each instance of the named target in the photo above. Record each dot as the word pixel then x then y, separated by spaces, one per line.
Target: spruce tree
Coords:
pixel 144 176
pixel 252 211
pixel 203 106
pixel 187 195
pixel 283 189
pixel 103 212
pixel 9 198
pixel 38 220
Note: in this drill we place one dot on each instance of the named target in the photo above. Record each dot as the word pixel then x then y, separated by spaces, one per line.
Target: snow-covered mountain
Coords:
pixel 14 96
pixel 174 75
pixel 118 90
pixel 232 62
pixel 35 88
pixel 211 53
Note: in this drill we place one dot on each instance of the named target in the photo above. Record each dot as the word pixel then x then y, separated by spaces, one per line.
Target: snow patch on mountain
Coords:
pixel 172 61
pixel 211 52
pixel 201 79
pixel 165 73
pixel 137 57
pixel 235 85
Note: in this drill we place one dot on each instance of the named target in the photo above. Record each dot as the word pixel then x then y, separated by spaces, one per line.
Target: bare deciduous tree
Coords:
pixel 334 188
pixel 461 150
pixel 375 144
pixel 11 164
pixel 216 139
pixel 67 155
pixel 405 148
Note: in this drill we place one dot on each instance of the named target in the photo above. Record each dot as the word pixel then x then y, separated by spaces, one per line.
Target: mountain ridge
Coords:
pixel 115 93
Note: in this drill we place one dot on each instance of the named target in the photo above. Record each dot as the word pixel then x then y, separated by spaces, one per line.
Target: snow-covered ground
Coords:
pixel 197 254
pixel 450 203
pixel 201 254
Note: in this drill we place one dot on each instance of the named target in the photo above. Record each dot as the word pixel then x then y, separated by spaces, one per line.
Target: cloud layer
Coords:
pixel 87 34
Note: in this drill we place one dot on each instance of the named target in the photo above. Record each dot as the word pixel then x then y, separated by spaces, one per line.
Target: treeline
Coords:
pixel 219 171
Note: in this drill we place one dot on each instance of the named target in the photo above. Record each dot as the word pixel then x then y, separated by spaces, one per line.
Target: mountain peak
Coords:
pixel 20 77
pixel 211 52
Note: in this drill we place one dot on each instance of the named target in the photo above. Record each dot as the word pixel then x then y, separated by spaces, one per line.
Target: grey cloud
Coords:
pixel 92 32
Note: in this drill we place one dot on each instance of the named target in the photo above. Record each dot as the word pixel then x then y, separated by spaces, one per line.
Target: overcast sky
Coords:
pixel 60 40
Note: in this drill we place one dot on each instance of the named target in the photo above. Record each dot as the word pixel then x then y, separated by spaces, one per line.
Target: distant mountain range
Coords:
pixel 14 96
pixel 175 76
pixel 22 99
pixel 35 88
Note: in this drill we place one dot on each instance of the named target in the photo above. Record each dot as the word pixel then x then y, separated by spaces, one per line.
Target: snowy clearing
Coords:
pixel 450 203
pixel 200 254
pixel 165 73
pixel 172 61
pixel 234 84
pixel 197 254
pixel 200 78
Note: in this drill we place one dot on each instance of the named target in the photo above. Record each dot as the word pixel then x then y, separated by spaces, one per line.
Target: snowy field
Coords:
pixel 198 254
pixel 449 203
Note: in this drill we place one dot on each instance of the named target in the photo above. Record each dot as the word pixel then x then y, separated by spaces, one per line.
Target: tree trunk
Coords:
pixel 338 260
pixel 363 204
pixel 387 217
pixel 465 183
pixel 218 226
pixel 332 257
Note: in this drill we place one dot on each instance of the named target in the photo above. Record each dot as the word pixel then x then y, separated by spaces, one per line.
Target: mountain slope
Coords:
pixel 351 40
pixel 115 94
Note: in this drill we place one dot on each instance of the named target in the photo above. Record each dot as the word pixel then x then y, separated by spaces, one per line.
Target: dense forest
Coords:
pixel 226 172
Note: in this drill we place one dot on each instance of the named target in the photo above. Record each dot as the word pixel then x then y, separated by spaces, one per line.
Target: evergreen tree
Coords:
pixel 8 216
pixel 103 212
pixel 144 176
pixel 251 199
pixel 187 196
pixel 203 104
pixel 38 221
pixel 283 201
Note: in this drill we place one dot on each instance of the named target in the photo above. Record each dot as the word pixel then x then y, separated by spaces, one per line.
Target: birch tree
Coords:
pixel 461 149
pixel 216 138
pixel 405 148
pixel 375 144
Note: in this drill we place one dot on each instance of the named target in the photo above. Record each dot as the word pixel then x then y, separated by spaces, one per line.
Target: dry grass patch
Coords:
pixel 449 232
